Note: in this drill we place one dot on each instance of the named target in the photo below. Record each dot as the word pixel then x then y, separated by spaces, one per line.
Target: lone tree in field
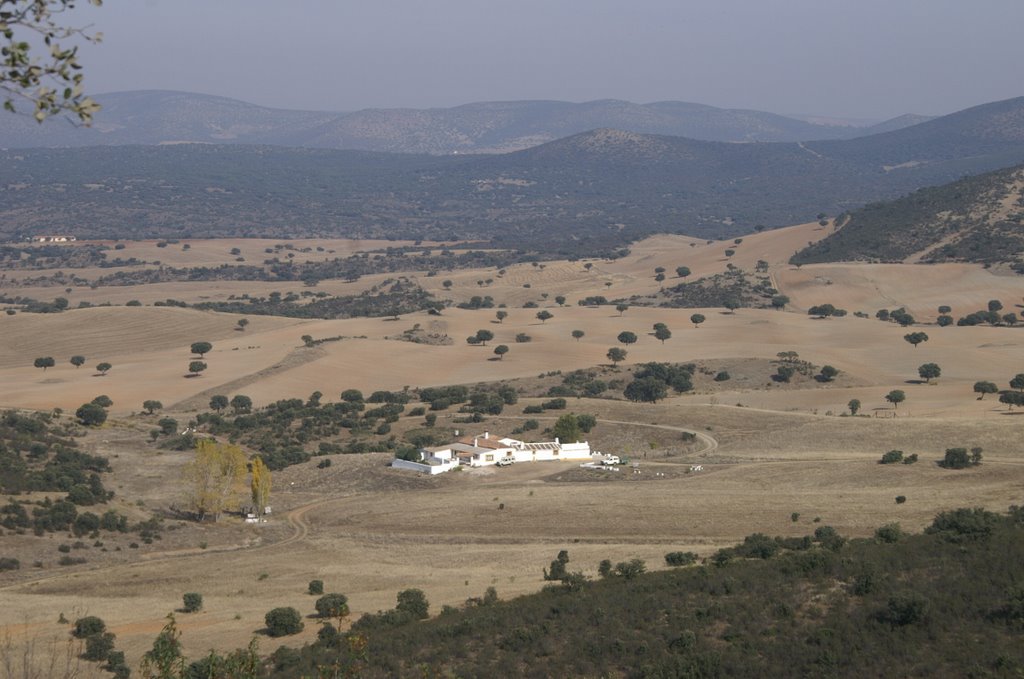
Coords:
pixel 828 373
pixel 662 333
pixel 896 397
pixel 1017 382
pixel 213 478
pixel 78 361
pixel 151 406
pixel 196 367
pixel 544 315
pixel 731 305
pixel 201 348
pixel 929 370
pixel 985 388
pixel 626 337
pixel 560 300
pixel 501 315
pixel 44 362
pixel 577 334
pixel 697 319
pixel 484 336
pixel 621 308
pixel 260 485
pixel 683 271
pixel 218 402
pixel 616 354
pixel 916 338
pixel 242 322
pixel 102 368
pixel 780 301
pixel 500 351
pixel 854 406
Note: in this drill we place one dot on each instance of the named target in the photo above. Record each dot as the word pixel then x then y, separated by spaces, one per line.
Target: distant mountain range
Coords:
pixel 582 194
pixel 975 219
pixel 158 117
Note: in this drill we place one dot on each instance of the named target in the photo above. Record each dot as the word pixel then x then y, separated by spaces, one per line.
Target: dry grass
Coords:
pixel 369 531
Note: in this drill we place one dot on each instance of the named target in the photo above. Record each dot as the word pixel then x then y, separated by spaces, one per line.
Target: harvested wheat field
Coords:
pixel 777 457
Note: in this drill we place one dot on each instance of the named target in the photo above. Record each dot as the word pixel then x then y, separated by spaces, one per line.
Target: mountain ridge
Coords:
pixel 159 116
pixel 586 193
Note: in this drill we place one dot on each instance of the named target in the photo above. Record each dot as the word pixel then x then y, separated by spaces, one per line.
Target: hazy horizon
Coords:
pixel 871 60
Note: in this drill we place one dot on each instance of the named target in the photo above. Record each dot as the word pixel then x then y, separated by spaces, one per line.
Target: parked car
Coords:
pixel 506 461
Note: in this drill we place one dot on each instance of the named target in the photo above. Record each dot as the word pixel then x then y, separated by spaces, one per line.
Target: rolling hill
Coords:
pixel 582 194
pixel 156 117
pixel 976 219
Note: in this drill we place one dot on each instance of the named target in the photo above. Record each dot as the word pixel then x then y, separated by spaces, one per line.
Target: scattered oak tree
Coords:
pixel 283 621
pixel 201 348
pixel 78 361
pixel 44 362
pixel 241 403
pixel 697 319
pixel 927 371
pixel 91 414
pixel 916 338
pixel 627 337
pixel 151 406
pixel 896 397
pixel 985 388
pixel 577 334
pixel 543 315
pixel 196 367
pixel 567 428
pixel 102 368
pixel 501 350
pixel 615 354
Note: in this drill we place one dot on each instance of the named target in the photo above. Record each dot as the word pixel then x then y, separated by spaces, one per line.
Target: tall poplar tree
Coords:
pixel 260 485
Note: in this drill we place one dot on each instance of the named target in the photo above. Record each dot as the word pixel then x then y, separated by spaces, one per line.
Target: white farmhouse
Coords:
pixel 485 450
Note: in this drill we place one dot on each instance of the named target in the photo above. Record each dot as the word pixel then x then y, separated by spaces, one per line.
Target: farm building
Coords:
pixel 485 450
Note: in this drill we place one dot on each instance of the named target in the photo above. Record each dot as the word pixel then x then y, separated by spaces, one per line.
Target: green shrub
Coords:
pixel 88 626
pixel 98 646
pixel 283 621
pixel 193 601
pixel 413 602
pixel 680 558
pixel 332 605
pixel 892 457
pixel 316 587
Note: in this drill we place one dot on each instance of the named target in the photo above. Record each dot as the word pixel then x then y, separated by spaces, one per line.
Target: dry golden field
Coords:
pixel 368 531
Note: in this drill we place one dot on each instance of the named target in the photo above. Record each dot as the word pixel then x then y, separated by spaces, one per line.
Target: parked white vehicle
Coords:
pixel 506 461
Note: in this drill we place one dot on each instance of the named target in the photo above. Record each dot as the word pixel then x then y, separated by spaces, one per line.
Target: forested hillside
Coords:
pixel 976 219
pixel 579 195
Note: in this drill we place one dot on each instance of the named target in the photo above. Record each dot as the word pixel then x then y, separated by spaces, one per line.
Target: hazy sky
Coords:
pixel 852 58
